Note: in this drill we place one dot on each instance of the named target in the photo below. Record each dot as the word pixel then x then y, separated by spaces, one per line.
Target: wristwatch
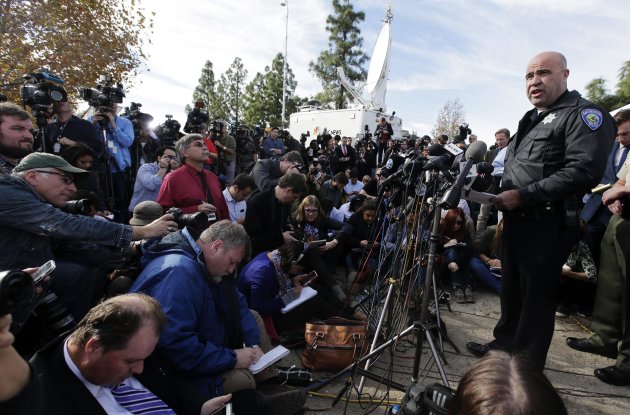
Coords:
pixel 255 346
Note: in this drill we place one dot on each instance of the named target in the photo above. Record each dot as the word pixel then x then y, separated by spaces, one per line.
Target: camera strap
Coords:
pixel 206 189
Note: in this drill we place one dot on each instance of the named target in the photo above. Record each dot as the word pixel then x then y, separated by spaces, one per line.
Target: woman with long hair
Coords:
pixel 485 266
pixel 457 251
pixel 312 224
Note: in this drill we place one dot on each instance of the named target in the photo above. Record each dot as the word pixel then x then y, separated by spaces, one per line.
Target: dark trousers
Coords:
pixel 533 253
pixel 611 314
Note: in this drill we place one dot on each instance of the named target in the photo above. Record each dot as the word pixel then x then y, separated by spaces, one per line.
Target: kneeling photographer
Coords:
pixel 32 224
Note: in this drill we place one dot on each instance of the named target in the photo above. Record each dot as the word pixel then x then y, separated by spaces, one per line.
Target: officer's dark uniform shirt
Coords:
pixel 560 152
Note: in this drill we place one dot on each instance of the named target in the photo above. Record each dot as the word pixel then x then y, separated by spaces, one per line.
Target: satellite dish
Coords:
pixel 376 85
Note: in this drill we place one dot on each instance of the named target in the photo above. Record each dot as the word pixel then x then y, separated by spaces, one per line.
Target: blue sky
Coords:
pixel 474 50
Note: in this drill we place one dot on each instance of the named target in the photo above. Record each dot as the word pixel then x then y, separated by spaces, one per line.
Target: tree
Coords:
pixel 344 51
pixel 623 87
pixel 78 40
pixel 597 91
pixel 231 90
pixel 264 95
pixel 450 117
pixel 206 92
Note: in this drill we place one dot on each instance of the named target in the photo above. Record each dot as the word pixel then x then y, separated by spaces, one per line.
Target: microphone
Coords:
pixel 484 180
pixel 474 154
pixel 408 169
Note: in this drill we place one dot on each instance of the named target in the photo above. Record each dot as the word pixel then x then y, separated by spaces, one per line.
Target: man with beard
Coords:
pixel 16 136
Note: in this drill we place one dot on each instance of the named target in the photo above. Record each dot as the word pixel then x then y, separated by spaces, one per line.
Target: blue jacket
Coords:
pixel 193 340
pixel 259 283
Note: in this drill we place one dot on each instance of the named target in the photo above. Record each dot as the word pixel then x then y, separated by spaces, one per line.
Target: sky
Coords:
pixel 474 50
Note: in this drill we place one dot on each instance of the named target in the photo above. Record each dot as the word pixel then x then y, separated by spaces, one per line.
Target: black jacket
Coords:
pixel 64 394
pixel 265 220
pixel 557 154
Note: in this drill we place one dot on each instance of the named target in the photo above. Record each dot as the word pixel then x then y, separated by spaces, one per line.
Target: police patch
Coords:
pixel 593 118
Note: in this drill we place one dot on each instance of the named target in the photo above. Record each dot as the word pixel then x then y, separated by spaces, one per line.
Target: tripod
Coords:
pixel 421 328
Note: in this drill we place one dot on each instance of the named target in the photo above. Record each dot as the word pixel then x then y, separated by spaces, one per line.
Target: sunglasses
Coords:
pixel 458 222
pixel 66 179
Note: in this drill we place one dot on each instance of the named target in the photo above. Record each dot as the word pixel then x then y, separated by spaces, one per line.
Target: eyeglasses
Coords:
pixel 66 179
pixel 198 144
pixel 311 210
pixel 168 157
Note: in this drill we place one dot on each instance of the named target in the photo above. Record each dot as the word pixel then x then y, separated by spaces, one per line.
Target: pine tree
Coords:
pixel 264 95
pixel 206 92
pixel 344 51
pixel 231 90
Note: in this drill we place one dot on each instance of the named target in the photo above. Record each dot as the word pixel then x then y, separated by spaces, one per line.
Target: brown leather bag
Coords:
pixel 333 344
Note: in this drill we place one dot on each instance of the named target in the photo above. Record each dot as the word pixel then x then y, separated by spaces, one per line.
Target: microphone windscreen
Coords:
pixel 476 151
pixel 436 150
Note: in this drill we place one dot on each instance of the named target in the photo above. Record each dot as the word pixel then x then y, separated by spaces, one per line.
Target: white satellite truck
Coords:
pixel 367 112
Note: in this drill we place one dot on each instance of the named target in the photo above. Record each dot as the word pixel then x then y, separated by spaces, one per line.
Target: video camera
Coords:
pixel 215 127
pixel 304 137
pixel 138 118
pixel 104 95
pixel 197 119
pixel 168 132
pixel 40 91
pixel 464 130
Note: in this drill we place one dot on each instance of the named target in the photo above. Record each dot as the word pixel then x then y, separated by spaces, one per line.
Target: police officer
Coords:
pixel 610 321
pixel 558 152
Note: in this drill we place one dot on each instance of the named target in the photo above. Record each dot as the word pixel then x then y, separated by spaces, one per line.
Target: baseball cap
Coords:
pixel 43 160
pixel 145 213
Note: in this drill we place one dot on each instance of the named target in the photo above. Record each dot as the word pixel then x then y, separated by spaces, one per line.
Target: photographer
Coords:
pixel 32 222
pixel 120 137
pixel 384 132
pixel 225 143
pixel 151 175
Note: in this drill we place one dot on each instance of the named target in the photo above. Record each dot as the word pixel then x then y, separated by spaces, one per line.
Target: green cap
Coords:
pixel 44 160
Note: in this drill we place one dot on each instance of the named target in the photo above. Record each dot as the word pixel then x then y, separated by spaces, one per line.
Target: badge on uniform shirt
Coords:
pixel 549 118
pixel 593 118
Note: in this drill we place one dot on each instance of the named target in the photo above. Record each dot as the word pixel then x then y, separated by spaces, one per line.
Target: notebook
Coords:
pixel 306 294
pixel 268 359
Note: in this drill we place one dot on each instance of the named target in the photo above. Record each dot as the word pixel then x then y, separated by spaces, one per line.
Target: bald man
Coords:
pixel 558 153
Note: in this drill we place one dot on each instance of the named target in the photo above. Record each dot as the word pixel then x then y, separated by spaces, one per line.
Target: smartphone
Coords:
pixel 317 244
pixel 310 278
pixel 43 271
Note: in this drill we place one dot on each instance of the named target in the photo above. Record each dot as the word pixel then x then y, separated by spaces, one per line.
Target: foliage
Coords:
pixel 450 117
pixel 597 91
pixel 206 92
pixel 231 89
pixel 263 102
pixel 344 50
pixel 78 40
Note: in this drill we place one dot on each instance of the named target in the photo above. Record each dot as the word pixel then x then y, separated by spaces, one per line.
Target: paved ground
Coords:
pixel 571 372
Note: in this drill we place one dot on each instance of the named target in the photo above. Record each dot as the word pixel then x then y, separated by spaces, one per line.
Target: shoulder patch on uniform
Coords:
pixel 592 117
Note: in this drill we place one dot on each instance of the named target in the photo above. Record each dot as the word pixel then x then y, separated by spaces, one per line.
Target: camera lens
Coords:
pixel 16 289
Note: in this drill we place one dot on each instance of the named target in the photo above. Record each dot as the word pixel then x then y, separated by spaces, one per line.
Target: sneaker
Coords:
pixel 468 295
pixel 459 295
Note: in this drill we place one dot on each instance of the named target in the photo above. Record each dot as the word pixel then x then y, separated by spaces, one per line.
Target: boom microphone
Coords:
pixel 474 154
